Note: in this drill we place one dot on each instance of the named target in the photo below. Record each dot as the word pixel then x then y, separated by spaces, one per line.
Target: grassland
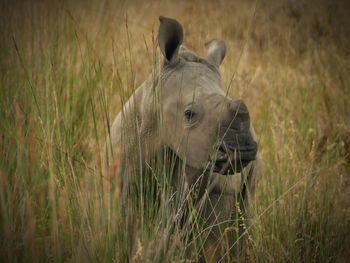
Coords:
pixel 67 67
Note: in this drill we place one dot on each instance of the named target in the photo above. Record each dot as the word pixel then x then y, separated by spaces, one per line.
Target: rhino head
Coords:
pixel 201 124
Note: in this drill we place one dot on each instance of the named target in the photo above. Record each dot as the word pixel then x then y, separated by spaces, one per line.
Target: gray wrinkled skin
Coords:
pixel 197 119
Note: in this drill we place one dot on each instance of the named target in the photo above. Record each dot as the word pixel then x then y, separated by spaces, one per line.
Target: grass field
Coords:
pixel 67 67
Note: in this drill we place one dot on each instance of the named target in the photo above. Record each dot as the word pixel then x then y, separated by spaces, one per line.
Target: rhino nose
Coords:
pixel 239 114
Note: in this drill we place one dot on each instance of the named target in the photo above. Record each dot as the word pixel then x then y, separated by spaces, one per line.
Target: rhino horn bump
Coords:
pixel 170 38
pixel 216 51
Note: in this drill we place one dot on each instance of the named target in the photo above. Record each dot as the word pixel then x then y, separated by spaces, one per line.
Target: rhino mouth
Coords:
pixel 230 159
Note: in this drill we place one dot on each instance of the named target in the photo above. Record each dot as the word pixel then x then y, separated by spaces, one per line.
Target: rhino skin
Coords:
pixel 208 131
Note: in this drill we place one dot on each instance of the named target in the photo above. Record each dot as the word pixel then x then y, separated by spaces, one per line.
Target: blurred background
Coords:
pixel 66 67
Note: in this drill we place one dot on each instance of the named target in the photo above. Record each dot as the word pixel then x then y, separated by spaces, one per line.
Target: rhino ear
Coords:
pixel 170 37
pixel 216 51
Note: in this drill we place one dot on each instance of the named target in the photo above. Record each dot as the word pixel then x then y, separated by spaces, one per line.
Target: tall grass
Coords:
pixel 66 69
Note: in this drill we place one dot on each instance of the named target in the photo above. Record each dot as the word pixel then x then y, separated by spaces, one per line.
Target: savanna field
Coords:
pixel 67 67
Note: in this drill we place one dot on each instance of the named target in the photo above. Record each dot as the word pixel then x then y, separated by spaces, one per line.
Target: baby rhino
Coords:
pixel 182 108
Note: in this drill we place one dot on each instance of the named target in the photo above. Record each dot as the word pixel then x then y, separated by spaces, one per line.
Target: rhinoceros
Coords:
pixel 182 107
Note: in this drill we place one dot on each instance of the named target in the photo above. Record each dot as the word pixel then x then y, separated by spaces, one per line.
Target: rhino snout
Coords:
pixel 237 147
pixel 232 156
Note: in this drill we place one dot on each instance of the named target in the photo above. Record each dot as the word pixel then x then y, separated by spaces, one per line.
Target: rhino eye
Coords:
pixel 190 115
